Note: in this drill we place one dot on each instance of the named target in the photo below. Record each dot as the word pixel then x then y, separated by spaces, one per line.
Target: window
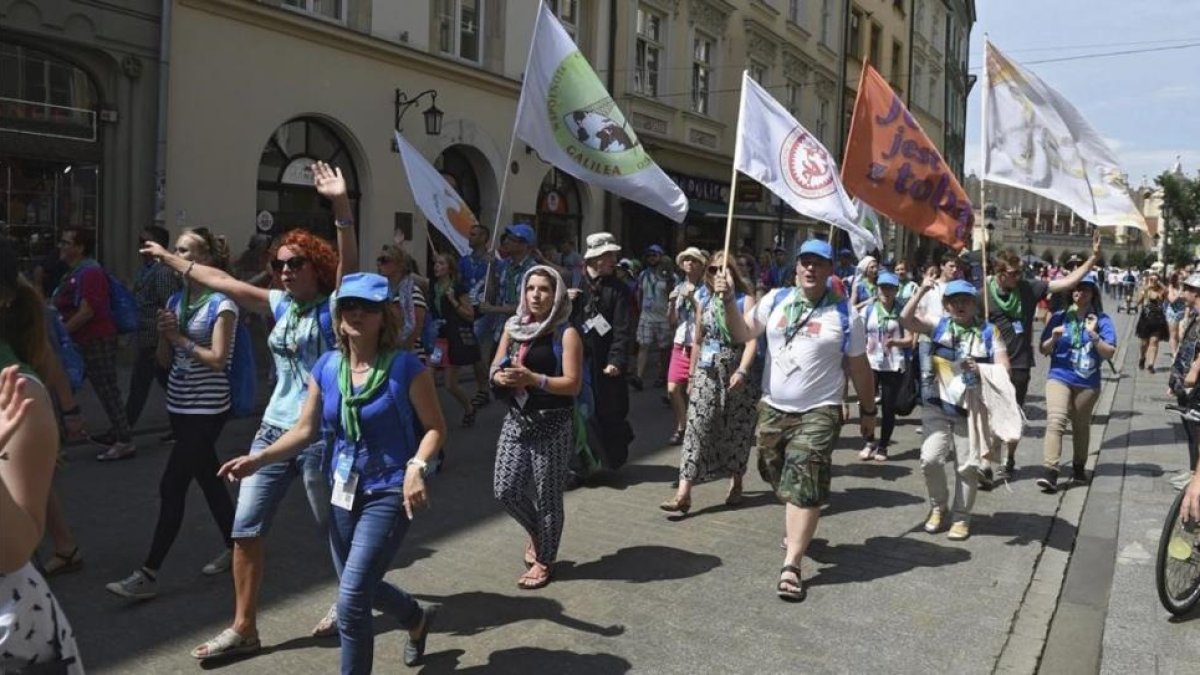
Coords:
pixel 795 11
pixel 918 79
pixel 792 97
pixel 331 9
pixel 822 118
pixel 758 72
pixel 827 22
pixel 897 64
pixel 854 46
pixel 919 18
pixel 567 12
pixel 459 32
pixel 933 87
pixel 876 45
pixel 649 52
pixel 702 51
pixel 285 176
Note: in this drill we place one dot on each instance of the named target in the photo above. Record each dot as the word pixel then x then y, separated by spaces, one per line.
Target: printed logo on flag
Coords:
pixel 587 124
pixel 457 212
pixel 807 168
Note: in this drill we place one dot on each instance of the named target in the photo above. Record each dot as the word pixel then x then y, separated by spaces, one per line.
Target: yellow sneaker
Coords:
pixel 959 531
pixel 934 522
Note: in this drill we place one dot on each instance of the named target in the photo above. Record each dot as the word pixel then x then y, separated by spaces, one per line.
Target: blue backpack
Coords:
pixel 65 349
pixel 324 319
pixel 121 304
pixel 241 371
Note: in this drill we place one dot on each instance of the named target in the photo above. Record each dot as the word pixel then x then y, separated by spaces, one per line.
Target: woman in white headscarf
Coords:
pixel 865 282
pixel 539 367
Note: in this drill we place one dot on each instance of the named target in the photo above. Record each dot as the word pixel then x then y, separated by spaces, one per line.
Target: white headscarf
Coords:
pixel 521 326
pixel 864 264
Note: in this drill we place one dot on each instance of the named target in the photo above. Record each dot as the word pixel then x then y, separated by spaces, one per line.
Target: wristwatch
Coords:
pixel 342 224
pixel 421 465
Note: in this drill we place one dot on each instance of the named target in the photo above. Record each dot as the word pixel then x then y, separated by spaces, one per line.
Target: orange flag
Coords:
pixel 893 166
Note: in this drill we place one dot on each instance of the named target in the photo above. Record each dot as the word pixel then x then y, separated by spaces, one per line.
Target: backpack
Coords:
pixel 65 349
pixel 122 306
pixel 324 319
pixel 240 369
pixel 988 335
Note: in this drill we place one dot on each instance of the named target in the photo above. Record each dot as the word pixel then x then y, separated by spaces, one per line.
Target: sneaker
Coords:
pixel 867 451
pixel 1049 481
pixel 117 451
pixel 1078 476
pixel 985 479
pixel 959 531
pixel 219 564
pixel 137 586
pixel 934 522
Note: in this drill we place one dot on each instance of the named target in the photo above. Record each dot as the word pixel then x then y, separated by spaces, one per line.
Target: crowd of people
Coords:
pixel 752 353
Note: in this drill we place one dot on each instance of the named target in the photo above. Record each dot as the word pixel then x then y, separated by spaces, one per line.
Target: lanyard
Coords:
pixel 797 301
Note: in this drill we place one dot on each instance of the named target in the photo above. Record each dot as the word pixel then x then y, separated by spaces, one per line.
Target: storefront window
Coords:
pixel 285 177
pixel 39 199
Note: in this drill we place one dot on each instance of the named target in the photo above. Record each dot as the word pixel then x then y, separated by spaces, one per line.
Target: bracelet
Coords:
pixel 543 382
pixel 188 272
pixel 342 224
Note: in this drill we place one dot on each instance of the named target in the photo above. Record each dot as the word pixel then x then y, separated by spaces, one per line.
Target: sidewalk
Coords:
pixel 635 591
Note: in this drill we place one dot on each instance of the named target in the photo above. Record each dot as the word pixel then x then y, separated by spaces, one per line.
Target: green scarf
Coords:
pixel 883 315
pixel 189 307
pixel 1073 326
pixel 798 306
pixel 958 333
pixel 1010 306
pixel 719 318
pixel 352 403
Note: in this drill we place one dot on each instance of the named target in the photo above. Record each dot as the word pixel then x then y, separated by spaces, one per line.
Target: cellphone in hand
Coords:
pixel 506 362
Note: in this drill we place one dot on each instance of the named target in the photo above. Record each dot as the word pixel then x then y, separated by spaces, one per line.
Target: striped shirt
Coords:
pixel 192 387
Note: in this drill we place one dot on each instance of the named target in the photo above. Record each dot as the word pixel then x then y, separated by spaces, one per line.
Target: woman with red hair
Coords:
pixel 309 270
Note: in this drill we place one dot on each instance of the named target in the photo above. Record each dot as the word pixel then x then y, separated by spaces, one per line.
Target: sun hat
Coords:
pixel 600 243
pixel 693 253
pixel 364 286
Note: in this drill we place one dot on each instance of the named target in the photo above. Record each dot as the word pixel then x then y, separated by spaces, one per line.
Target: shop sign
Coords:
pixel 44 119
pixel 553 202
pixel 704 189
pixel 265 221
pixel 749 192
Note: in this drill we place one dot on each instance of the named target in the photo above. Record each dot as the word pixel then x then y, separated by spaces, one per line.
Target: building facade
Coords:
pixel 79 124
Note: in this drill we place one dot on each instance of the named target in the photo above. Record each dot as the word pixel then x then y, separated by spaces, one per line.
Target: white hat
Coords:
pixel 693 253
pixel 600 243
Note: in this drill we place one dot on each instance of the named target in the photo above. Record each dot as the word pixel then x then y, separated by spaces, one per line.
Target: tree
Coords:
pixel 1181 217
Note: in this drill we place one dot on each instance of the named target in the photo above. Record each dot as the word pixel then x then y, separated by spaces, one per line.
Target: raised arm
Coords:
pixel 1071 280
pixel 246 295
pixel 908 316
pixel 330 184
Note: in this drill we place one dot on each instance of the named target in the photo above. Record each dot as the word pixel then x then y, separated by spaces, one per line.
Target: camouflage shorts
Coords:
pixel 795 451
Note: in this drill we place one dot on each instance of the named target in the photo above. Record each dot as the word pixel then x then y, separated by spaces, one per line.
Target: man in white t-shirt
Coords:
pixel 809 329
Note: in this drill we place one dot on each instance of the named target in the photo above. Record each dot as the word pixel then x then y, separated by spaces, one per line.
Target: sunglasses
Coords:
pixel 293 263
pixel 713 269
pixel 359 305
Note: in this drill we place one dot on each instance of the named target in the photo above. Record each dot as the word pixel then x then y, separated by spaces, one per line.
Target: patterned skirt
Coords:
pixel 720 422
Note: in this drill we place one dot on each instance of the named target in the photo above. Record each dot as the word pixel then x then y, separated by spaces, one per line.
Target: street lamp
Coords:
pixel 1029 245
pixel 433 114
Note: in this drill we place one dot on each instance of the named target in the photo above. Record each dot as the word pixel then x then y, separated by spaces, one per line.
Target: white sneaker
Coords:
pixel 136 586
pixel 219 564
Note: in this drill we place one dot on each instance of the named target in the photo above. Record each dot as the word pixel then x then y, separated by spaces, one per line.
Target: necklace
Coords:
pixel 361 369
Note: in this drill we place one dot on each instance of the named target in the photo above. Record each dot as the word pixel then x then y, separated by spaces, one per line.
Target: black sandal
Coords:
pixel 63 564
pixel 414 649
pixel 797 592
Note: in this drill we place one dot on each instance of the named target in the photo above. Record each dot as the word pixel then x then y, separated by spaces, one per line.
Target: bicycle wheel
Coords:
pixel 1177 572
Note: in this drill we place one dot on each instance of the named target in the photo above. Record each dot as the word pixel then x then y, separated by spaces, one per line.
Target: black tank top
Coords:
pixel 542 360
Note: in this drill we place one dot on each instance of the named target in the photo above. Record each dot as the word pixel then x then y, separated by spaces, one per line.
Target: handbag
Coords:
pixel 910 385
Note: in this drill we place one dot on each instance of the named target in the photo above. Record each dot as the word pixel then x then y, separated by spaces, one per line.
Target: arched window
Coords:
pixel 285 189
pixel 558 209
pixel 456 168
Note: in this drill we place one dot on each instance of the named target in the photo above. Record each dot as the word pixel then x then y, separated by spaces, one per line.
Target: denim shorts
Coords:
pixel 259 495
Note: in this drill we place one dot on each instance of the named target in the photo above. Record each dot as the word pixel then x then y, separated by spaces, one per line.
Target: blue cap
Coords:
pixel 846 252
pixel 959 287
pixel 521 231
pixel 816 247
pixel 888 279
pixel 1090 278
pixel 365 286
pixel 655 248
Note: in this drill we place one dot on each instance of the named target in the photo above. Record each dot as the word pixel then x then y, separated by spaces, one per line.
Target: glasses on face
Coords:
pixel 359 305
pixel 293 263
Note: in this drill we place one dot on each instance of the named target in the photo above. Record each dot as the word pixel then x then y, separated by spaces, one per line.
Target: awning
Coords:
pixel 699 208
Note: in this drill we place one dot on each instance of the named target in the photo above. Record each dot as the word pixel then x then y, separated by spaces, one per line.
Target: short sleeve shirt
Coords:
pixel 655 287
pixel 1074 360
pixel 819 377
pixel 880 326
pixel 1017 332
pixel 192 387
pixel 295 344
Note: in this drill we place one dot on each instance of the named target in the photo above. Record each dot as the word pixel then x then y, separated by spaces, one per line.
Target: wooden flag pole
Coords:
pixel 733 179
pixel 983 104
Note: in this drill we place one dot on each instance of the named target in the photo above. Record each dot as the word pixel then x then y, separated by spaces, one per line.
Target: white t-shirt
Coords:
pixel 806 372
pixel 930 309
pixel 879 329
pixel 192 387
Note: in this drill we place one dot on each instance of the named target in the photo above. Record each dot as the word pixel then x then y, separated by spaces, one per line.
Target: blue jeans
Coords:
pixel 260 494
pixel 364 541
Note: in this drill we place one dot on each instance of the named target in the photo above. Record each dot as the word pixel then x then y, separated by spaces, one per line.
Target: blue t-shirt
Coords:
pixel 1074 360
pixel 473 272
pixel 387 425
pixel 295 344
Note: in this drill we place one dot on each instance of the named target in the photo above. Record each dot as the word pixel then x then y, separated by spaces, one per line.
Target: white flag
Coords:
pixel 567 115
pixel 1036 140
pixel 773 149
pixel 868 220
pixel 436 198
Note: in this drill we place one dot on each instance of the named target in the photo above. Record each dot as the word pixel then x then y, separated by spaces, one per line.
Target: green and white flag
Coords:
pixel 567 115
pixel 868 222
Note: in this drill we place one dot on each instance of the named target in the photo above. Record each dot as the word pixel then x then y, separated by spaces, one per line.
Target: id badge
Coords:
pixel 1085 365
pixel 1018 327
pixel 435 357
pixel 345 483
pixel 600 325
pixel 708 353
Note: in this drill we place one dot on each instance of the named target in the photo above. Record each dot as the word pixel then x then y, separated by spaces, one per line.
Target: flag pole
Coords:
pixel 983 179
pixel 737 147
pixel 507 167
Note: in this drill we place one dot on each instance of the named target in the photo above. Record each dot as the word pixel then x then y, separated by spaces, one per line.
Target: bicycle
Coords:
pixel 1177 566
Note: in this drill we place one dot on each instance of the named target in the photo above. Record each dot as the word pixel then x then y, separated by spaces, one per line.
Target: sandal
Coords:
pixel 677 504
pixel 530 554
pixel 63 564
pixel 786 589
pixel 227 643
pixel 537 577
pixel 880 457
pixel 414 649
pixel 327 626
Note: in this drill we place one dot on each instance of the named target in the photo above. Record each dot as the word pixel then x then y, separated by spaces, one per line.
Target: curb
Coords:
pixel 1029 645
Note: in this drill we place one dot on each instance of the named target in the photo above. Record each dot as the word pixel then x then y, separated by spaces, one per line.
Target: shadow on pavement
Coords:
pixel 474 612
pixel 631 475
pixel 857 499
pixel 1143 438
pixel 882 470
pixel 640 565
pixel 878 557
pixel 529 660
pixel 1024 529
pixel 1132 469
